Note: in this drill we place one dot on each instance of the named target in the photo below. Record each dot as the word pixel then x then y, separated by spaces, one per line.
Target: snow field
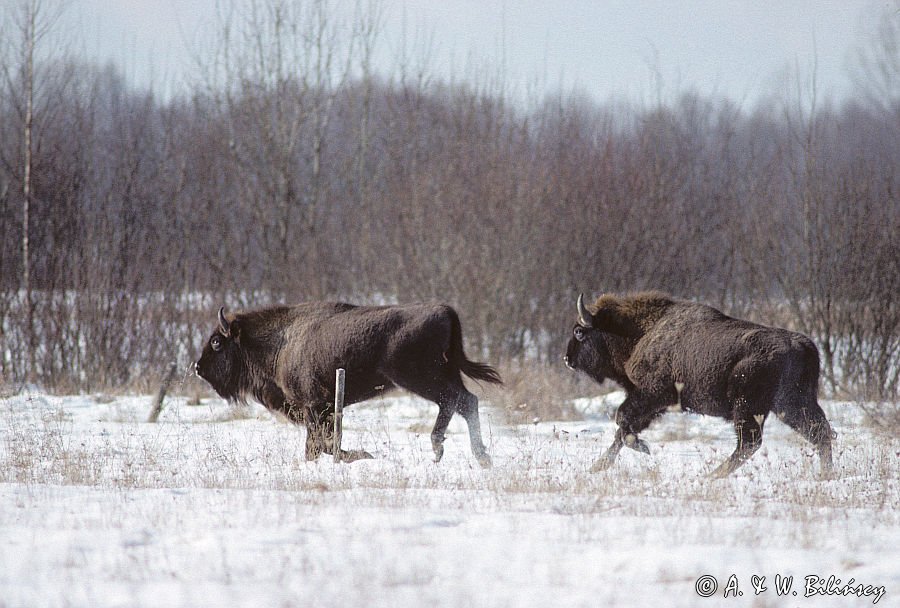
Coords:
pixel 216 506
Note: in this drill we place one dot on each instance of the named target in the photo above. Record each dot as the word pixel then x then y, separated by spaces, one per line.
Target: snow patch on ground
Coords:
pixel 216 506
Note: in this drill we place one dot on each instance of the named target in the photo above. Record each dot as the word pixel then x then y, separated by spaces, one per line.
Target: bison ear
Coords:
pixel 224 325
pixel 585 319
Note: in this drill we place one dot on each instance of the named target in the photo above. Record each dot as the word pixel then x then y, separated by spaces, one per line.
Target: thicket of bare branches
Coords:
pixel 292 171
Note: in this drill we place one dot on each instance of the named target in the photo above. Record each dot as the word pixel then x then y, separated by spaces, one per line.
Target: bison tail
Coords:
pixel 473 369
pixel 480 371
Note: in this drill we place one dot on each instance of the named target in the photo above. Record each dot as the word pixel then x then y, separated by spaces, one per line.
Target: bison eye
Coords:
pixel 216 343
pixel 580 335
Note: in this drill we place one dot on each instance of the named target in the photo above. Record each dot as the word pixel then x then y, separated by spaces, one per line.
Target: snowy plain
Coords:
pixel 215 505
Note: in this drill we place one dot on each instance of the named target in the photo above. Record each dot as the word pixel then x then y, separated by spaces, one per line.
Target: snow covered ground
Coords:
pixel 213 506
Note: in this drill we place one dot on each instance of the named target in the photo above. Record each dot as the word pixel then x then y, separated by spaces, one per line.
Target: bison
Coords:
pixel 285 357
pixel 666 352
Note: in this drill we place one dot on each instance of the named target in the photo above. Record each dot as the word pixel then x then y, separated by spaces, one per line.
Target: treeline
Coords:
pixel 293 172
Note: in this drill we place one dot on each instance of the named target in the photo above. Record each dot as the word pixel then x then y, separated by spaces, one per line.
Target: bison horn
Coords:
pixel 584 317
pixel 224 327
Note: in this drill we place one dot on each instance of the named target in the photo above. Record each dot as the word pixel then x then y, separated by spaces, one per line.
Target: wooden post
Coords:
pixel 338 413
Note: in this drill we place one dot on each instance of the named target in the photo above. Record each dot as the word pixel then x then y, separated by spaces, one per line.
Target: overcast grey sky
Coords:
pixel 742 49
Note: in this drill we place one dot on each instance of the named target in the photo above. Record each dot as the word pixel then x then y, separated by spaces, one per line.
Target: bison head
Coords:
pixel 588 349
pixel 221 362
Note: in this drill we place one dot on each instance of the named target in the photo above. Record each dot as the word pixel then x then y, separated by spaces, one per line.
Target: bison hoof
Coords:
pixel 438 452
pixel 484 460
pixel 637 444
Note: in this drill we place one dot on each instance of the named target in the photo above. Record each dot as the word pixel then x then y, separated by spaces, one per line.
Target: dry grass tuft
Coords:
pixel 540 392
pixel 883 418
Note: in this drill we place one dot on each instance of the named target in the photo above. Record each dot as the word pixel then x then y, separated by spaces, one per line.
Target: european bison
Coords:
pixel 664 351
pixel 286 357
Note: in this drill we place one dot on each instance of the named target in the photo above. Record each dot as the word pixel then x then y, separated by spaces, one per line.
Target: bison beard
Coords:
pixel 664 351
pixel 286 357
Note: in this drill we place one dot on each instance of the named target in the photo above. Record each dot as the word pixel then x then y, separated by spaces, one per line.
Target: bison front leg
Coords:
pixel 632 417
pixel 609 456
pixel 621 439
pixel 315 427
pixel 320 437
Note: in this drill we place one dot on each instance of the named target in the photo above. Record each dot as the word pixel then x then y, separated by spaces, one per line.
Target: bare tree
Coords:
pixel 282 65
pixel 877 64
pixel 295 170
pixel 32 21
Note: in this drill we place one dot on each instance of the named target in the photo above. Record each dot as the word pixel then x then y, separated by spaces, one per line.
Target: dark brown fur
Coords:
pixel 286 357
pixel 653 345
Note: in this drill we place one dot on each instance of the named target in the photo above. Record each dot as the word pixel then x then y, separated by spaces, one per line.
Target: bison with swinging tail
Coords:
pixel 664 352
pixel 286 357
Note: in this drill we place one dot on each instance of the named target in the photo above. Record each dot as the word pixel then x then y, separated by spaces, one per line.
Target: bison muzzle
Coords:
pixel 285 358
pixel 665 352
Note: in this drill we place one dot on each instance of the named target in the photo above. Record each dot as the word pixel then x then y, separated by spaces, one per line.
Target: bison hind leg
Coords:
pixel 451 396
pixel 749 439
pixel 437 433
pixel 809 421
pixel 467 406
